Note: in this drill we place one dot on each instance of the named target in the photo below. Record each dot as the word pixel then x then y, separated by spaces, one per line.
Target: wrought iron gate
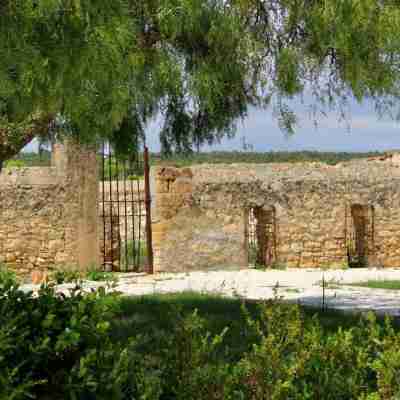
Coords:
pixel 125 211
pixel 360 234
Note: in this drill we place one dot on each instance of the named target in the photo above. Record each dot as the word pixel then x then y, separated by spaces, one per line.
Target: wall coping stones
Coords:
pixel 29 176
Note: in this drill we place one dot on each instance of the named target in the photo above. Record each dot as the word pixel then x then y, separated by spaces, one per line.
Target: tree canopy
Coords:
pixel 106 67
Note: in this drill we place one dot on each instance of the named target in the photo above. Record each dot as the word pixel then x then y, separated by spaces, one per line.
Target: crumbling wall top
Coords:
pixel 368 170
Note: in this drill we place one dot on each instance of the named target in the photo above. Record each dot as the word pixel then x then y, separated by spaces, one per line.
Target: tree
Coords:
pixel 105 67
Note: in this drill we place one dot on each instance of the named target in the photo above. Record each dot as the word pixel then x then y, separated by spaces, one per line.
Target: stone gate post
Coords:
pixel 77 166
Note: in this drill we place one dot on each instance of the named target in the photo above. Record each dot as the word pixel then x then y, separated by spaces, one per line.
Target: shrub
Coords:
pixel 15 164
pixel 61 276
pixel 46 341
pixel 54 346
pixel 7 276
pixel 96 275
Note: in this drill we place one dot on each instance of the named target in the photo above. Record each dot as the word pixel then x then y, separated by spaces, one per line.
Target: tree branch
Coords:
pixel 14 136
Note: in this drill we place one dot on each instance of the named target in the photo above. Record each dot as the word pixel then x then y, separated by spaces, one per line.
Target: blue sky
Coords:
pixel 367 132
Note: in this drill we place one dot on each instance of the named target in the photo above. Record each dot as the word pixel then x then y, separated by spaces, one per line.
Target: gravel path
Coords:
pixel 300 285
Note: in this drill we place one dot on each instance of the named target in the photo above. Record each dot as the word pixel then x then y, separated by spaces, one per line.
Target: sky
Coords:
pixel 365 131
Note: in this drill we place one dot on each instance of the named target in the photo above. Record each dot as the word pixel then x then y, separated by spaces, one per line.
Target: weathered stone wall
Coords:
pixel 202 213
pixel 48 216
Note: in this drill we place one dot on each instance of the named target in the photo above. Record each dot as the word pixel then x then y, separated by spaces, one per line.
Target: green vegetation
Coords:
pixel 15 164
pixel 64 275
pixel 96 275
pixel 121 169
pixel 201 64
pixel 6 275
pixel 378 284
pixel 230 157
pixel 189 346
pixel 214 157
pixel 26 159
pixel 133 253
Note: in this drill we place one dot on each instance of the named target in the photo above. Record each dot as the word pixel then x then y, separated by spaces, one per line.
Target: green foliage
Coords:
pixel 46 342
pixel 96 275
pixel 133 253
pixel 15 164
pixel 105 69
pixel 379 284
pixel 6 276
pixel 118 169
pixel 98 346
pixel 252 255
pixel 278 266
pixel 214 157
pixel 63 275
pixel 134 177
pixel 270 351
pixel 229 157
pixel 25 159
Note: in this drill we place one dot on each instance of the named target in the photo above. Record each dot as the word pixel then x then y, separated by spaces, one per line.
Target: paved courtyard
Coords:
pixel 299 285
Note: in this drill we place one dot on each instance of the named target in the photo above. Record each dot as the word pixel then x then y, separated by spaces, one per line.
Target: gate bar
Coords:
pixel 149 241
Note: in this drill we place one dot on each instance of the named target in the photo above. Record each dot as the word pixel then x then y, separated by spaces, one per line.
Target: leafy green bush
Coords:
pixel 96 275
pixel 15 164
pixel 31 159
pixel 54 346
pixel 7 276
pixel 61 276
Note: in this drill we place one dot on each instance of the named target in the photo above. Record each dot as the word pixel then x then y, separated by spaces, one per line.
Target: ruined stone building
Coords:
pixel 204 217
pixel 278 215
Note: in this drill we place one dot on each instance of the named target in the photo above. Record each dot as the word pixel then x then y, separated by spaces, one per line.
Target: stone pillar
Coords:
pixel 78 165
pixel 173 191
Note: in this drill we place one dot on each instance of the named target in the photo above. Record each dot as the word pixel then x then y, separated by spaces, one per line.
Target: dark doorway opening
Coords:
pixel 261 237
pixel 360 243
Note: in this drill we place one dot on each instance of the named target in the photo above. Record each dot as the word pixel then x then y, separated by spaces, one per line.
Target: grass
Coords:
pixel 153 316
pixel 378 284
pixel 133 254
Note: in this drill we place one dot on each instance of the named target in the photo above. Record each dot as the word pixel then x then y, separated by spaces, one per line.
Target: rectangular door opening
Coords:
pixel 360 241
pixel 261 237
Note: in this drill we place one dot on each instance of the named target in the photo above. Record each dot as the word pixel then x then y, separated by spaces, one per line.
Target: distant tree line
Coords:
pixel 230 157
pixel 32 159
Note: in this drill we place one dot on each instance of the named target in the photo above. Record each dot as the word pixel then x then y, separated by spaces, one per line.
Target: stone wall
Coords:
pixel 48 216
pixel 202 213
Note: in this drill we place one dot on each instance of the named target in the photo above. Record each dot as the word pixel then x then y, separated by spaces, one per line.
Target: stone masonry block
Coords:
pixel 160 226
pixel 182 185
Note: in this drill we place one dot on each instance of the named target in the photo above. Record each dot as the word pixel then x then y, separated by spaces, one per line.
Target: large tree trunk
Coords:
pixel 14 136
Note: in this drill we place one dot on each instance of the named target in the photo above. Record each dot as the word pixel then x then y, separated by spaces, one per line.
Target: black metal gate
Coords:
pixel 125 210
pixel 360 234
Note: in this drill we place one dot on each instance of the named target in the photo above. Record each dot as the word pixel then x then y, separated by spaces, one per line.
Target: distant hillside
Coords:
pixel 216 157
pixel 229 157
